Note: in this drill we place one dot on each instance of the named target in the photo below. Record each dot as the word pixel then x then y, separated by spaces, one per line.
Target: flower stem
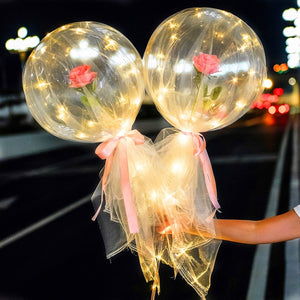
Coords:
pixel 92 106
pixel 198 80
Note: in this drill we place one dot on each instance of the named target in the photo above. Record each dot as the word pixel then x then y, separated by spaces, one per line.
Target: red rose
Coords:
pixel 81 76
pixel 206 63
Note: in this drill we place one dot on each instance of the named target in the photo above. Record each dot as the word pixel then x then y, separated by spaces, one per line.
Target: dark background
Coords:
pixel 136 19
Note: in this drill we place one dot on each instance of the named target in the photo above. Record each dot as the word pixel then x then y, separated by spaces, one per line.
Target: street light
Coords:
pixel 22 44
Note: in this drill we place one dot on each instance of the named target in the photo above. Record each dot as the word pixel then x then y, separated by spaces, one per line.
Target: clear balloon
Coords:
pixel 84 82
pixel 204 67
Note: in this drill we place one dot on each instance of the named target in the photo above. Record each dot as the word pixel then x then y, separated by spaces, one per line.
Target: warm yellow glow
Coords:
pixel 173 25
pixel 91 124
pixel 80 135
pixel 219 35
pixel 268 83
pixel 153 195
pixel 122 100
pixel 184 138
pixel 140 166
pixel 177 167
pixel 215 123
pixel 42 84
pixel 251 72
pixel 234 80
pixel 136 101
pixel 79 30
pixel 160 55
pixel 173 37
pixel 158 256
pixel 110 43
pixel 245 36
pixel 185 116
pixel 62 113
pixel 243 47
pixel 160 98
pixel 240 104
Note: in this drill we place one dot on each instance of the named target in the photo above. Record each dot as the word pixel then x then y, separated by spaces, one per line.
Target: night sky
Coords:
pixel 136 19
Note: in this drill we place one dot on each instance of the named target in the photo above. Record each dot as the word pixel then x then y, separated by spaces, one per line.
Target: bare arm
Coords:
pixel 275 229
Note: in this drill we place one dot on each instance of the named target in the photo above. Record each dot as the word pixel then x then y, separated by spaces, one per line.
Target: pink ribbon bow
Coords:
pixel 199 150
pixel 106 151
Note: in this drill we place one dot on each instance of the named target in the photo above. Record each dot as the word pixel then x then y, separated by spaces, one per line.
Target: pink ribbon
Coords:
pixel 106 151
pixel 199 150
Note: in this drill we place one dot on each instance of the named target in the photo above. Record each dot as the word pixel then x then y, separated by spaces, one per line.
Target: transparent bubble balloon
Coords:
pixel 84 82
pixel 204 67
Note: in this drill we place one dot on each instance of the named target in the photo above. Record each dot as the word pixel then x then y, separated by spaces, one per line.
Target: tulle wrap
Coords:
pixel 176 196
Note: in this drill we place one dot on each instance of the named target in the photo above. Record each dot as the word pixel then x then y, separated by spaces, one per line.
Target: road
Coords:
pixel 50 248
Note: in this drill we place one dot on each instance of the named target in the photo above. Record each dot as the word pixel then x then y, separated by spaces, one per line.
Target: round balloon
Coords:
pixel 204 67
pixel 84 82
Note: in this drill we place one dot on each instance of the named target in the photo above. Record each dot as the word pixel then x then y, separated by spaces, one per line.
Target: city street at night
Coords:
pixel 51 249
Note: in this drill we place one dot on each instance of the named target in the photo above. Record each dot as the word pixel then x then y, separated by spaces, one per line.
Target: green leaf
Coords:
pixel 94 84
pixel 215 92
pixel 84 100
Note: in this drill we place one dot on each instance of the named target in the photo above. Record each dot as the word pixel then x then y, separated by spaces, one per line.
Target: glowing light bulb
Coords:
pixel 42 84
pixel 91 124
pixel 80 135
pixel 62 113
pixel 110 43
pixel 240 104
pixel 177 167
pixel 173 37
pixel 160 55
pixel 173 25
pixel 234 80
pixel 184 138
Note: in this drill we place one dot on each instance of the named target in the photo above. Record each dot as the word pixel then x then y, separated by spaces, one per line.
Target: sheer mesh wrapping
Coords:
pixel 143 164
pixel 186 203
pixel 165 194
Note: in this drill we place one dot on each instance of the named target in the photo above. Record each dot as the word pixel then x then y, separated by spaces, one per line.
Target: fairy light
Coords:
pixel 177 167
pixel 42 84
pixel 245 37
pixel 110 43
pixel 62 113
pixel 173 25
pixel 133 71
pixel 136 101
pixel 215 123
pixel 243 48
pixel 234 80
pixel 252 72
pixel 91 124
pixel 240 104
pixel 153 195
pixel 185 116
pixel 80 135
pixel 122 100
pixel 173 37
pixel 160 98
pixel 184 138
pixel 140 166
pixel 160 55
